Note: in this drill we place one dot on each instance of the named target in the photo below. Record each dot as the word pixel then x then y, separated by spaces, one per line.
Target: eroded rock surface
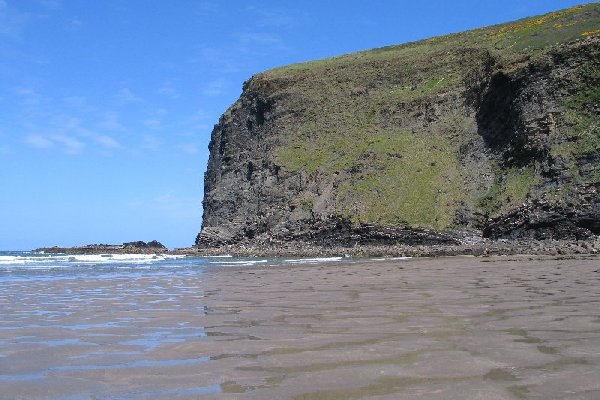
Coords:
pixel 491 132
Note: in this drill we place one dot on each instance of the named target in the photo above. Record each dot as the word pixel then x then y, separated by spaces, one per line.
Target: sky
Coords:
pixel 107 107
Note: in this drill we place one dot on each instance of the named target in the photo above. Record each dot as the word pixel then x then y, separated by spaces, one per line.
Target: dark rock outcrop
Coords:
pixel 492 132
pixel 138 247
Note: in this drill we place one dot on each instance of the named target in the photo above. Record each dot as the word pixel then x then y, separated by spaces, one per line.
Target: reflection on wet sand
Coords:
pixel 78 338
pixel 464 328
pixel 501 328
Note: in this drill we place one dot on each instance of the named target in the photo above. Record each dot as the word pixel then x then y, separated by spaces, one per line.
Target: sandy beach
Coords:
pixel 448 328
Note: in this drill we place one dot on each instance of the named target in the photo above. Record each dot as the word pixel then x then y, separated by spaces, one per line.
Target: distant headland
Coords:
pixel 138 247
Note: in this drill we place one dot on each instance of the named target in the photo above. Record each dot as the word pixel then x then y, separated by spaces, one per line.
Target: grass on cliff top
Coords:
pixel 371 117
pixel 533 33
pixel 420 69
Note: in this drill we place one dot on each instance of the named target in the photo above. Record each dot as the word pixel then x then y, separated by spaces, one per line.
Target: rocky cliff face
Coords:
pixel 492 132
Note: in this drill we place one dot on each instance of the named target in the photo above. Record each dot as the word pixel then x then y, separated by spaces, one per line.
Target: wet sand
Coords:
pixel 468 328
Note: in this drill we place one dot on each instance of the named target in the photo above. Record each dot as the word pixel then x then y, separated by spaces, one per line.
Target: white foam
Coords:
pixel 87 259
pixel 391 259
pixel 114 257
pixel 242 262
pixel 40 267
pixel 10 260
pixel 313 260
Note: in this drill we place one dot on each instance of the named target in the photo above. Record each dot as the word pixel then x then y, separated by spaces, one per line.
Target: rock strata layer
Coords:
pixel 489 133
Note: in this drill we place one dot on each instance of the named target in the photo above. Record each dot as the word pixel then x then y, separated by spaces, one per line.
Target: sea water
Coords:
pixel 161 327
pixel 73 326
pixel 39 266
pixel 25 265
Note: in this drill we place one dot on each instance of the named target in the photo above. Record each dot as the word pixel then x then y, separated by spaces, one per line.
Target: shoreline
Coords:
pixel 448 327
pixel 477 248
pixel 481 248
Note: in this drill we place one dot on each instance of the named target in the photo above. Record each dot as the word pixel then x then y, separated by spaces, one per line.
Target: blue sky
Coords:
pixel 106 107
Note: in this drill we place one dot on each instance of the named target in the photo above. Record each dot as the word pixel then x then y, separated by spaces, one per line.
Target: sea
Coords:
pixel 38 266
pixel 141 327
pixel 75 326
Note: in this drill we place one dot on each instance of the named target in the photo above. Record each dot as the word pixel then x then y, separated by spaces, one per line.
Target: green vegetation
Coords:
pixel 404 179
pixel 583 125
pixel 374 122
pixel 535 33
pixel 509 190
pixel 584 108
pixel 543 31
pixel 583 136
pixel 397 177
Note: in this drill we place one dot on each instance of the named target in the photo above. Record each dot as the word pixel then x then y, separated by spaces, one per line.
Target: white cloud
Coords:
pixel 152 123
pixel 28 96
pixel 268 17
pixel 12 21
pixel 155 118
pixel 207 8
pixel 256 41
pixel 215 88
pixel 4 148
pixel 78 103
pixel 168 91
pixel 69 122
pixel 200 116
pixel 177 207
pixel 189 148
pixel 260 39
pixel 218 59
pixel 70 145
pixel 68 125
pixel 76 23
pixel 151 142
pixel 111 122
pixel 199 130
pixel 126 95
pixel 106 141
pixel 255 44
pixel 51 4
pixel 39 142
pixel 199 122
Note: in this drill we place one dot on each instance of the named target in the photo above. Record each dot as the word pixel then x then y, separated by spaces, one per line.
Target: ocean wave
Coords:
pixel 85 259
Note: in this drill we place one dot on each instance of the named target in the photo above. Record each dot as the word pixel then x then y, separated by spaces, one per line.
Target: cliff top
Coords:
pixel 510 40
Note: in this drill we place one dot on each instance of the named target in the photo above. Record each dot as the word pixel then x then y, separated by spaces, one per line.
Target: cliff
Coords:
pixel 490 132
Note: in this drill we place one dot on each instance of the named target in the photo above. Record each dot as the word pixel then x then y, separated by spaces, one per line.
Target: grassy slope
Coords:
pixel 368 117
